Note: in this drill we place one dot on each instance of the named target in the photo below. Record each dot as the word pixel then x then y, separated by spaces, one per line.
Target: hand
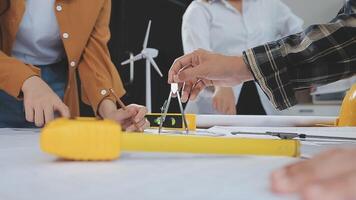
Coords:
pixel 224 100
pixel 131 119
pixel 202 68
pixel 41 102
pixel 329 176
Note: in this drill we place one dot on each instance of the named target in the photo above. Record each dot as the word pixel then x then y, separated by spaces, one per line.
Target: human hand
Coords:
pixel 328 176
pixel 41 102
pixel 131 119
pixel 202 68
pixel 224 100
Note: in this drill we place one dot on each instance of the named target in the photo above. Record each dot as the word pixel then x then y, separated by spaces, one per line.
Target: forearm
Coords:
pixel 97 73
pixel 321 54
pixel 105 107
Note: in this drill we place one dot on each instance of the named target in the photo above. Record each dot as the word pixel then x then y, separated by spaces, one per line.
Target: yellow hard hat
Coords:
pixel 347 115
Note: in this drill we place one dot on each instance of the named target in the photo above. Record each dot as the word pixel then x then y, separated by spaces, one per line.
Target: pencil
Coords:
pixel 123 106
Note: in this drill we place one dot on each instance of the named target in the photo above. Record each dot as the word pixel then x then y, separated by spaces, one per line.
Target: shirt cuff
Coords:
pixel 101 94
pixel 270 70
pixel 14 85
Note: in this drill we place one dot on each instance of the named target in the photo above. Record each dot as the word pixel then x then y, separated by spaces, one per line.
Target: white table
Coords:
pixel 27 173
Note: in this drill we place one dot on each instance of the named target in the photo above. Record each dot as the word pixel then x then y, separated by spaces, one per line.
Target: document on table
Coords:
pixel 208 121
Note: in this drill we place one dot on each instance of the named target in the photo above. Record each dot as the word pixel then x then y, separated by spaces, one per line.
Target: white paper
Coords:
pixel 208 121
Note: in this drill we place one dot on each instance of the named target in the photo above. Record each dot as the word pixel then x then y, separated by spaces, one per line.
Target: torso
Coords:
pixel 38 39
pixel 235 31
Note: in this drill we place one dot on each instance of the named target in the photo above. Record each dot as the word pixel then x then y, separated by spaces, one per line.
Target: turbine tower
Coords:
pixel 149 54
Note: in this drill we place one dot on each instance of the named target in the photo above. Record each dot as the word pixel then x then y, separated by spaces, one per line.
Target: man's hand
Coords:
pixel 329 176
pixel 202 68
pixel 131 119
pixel 41 102
pixel 224 100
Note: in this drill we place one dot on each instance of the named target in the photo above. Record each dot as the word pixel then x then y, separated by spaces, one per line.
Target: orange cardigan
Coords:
pixel 84 26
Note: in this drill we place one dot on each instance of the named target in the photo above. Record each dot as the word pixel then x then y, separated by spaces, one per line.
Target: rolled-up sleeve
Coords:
pixel 321 54
pixel 97 72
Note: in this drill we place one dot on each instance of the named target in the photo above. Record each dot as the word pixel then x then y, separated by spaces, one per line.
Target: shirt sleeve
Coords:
pixel 13 73
pixel 196 28
pixel 96 71
pixel 321 54
pixel 287 22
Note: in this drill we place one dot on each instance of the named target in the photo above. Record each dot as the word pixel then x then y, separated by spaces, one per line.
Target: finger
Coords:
pixel 141 123
pixel 187 87
pixel 338 188
pixel 132 128
pixel 122 115
pixel 29 112
pixel 48 114
pixel 233 110
pixel 215 104
pixel 62 109
pixel 230 109
pixel 196 90
pixel 293 177
pixel 191 73
pixel 39 118
pixel 178 64
pixel 125 124
pixel 142 111
pixel 222 107
pixel 146 125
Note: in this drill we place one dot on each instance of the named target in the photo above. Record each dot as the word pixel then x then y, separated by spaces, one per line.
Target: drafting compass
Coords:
pixel 173 94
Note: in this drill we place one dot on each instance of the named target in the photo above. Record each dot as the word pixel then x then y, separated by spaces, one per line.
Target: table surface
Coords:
pixel 27 173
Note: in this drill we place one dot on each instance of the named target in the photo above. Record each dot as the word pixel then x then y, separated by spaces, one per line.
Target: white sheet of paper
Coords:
pixel 208 121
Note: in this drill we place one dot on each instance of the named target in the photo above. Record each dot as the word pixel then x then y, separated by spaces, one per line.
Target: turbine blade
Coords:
pixel 154 64
pixel 147 35
pixel 136 58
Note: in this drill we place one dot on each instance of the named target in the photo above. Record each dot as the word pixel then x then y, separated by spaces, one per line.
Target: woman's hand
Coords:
pixel 328 176
pixel 41 102
pixel 131 119
pixel 224 100
pixel 203 68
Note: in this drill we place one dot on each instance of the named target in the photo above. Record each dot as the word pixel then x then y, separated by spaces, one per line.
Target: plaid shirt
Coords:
pixel 321 54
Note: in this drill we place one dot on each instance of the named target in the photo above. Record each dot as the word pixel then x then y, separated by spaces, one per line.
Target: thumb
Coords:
pixel 191 73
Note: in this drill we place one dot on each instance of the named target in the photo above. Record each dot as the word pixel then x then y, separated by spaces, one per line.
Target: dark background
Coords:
pixel 128 27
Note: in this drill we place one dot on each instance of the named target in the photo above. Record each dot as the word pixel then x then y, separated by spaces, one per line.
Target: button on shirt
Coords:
pixel 217 26
pixel 38 40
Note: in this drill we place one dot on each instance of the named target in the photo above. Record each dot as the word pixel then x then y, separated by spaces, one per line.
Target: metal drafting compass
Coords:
pixel 173 94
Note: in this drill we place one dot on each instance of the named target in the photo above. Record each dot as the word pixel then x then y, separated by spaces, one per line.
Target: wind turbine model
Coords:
pixel 148 54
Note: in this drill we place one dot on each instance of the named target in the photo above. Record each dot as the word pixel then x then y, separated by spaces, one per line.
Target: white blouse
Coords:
pixel 217 26
pixel 38 39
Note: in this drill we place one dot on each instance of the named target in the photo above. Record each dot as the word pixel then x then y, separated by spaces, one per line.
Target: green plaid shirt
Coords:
pixel 321 54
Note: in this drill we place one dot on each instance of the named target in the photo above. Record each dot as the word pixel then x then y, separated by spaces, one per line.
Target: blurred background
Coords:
pixel 128 27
